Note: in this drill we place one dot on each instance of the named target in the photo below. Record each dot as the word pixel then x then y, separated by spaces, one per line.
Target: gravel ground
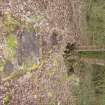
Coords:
pixel 50 84
pixel 47 86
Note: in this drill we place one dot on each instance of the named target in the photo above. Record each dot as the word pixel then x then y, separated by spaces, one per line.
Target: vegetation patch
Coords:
pixel 11 46
pixel 11 41
pixel 98 79
pixel 70 57
pixel 93 54
pixel 6 100
pixel 86 89
pixel 22 71
pixel 95 21
pixel 10 23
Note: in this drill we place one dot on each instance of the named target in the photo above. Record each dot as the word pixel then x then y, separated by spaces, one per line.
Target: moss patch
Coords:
pixel 11 41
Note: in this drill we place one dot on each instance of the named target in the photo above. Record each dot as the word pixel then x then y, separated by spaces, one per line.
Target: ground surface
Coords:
pixel 45 83
pixel 41 42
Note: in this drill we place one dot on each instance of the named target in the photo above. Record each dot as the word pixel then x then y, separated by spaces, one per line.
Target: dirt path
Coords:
pixel 93 61
pixel 91 48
